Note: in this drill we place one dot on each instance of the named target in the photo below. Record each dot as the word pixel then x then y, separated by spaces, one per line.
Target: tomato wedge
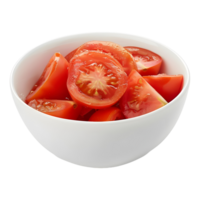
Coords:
pixel 57 108
pixel 109 114
pixel 85 110
pixel 52 82
pixel 87 116
pixel 140 98
pixel 168 86
pixel 117 51
pixel 148 63
pixel 69 56
pixel 96 80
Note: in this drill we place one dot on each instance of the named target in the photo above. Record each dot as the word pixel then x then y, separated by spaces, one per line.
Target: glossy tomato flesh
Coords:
pixel 117 51
pixel 57 108
pixel 108 114
pixel 148 62
pixel 168 86
pixel 140 98
pixel 96 80
pixel 52 82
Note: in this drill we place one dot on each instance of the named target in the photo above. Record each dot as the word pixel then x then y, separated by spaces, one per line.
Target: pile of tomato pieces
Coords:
pixel 103 81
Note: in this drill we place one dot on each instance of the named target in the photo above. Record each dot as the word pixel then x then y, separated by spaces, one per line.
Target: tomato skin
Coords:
pixel 148 62
pixel 57 108
pixel 70 55
pixel 52 82
pixel 117 51
pixel 108 114
pixel 86 60
pixel 140 98
pixel 168 86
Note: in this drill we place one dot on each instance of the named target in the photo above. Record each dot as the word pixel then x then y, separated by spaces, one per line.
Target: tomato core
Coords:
pixel 97 81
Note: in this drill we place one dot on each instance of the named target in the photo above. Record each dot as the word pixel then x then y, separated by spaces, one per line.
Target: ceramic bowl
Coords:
pixel 96 144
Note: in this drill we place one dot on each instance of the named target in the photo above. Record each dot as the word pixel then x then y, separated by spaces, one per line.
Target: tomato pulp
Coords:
pixel 96 80
pixel 148 62
pixel 140 98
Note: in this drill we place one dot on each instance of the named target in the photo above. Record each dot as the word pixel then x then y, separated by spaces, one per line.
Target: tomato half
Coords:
pixel 96 80
pixel 69 56
pixel 140 98
pixel 52 82
pixel 57 108
pixel 117 51
pixel 168 86
pixel 148 63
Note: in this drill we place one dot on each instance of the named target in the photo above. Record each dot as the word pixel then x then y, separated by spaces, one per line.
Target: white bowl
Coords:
pixel 96 144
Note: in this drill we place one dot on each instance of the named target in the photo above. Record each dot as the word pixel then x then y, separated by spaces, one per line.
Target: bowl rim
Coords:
pixel 14 69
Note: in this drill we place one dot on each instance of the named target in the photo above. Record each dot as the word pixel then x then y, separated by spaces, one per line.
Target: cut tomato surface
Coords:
pixel 96 80
pixel 140 98
pixel 52 82
pixel 168 86
pixel 57 108
pixel 69 56
pixel 109 114
pixel 117 51
pixel 148 62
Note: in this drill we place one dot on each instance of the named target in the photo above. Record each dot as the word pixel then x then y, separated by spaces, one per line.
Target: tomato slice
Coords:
pixel 69 56
pixel 117 51
pixel 87 116
pixel 148 63
pixel 140 98
pixel 57 108
pixel 109 114
pixel 52 82
pixel 168 86
pixel 85 110
pixel 96 80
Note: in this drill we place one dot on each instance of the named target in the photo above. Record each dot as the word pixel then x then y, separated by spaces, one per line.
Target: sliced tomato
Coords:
pixel 85 110
pixel 140 98
pixel 57 108
pixel 52 82
pixel 109 114
pixel 148 62
pixel 168 86
pixel 96 80
pixel 69 56
pixel 87 116
pixel 117 51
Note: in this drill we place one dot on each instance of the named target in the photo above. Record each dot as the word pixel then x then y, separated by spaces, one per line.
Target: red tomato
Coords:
pixel 87 116
pixel 168 86
pixel 117 51
pixel 96 80
pixel 109 114
pixel 148 63
pixel 57 108
pixel 140 98
pixel 85 110
pixel 70 55
pixel 52 82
